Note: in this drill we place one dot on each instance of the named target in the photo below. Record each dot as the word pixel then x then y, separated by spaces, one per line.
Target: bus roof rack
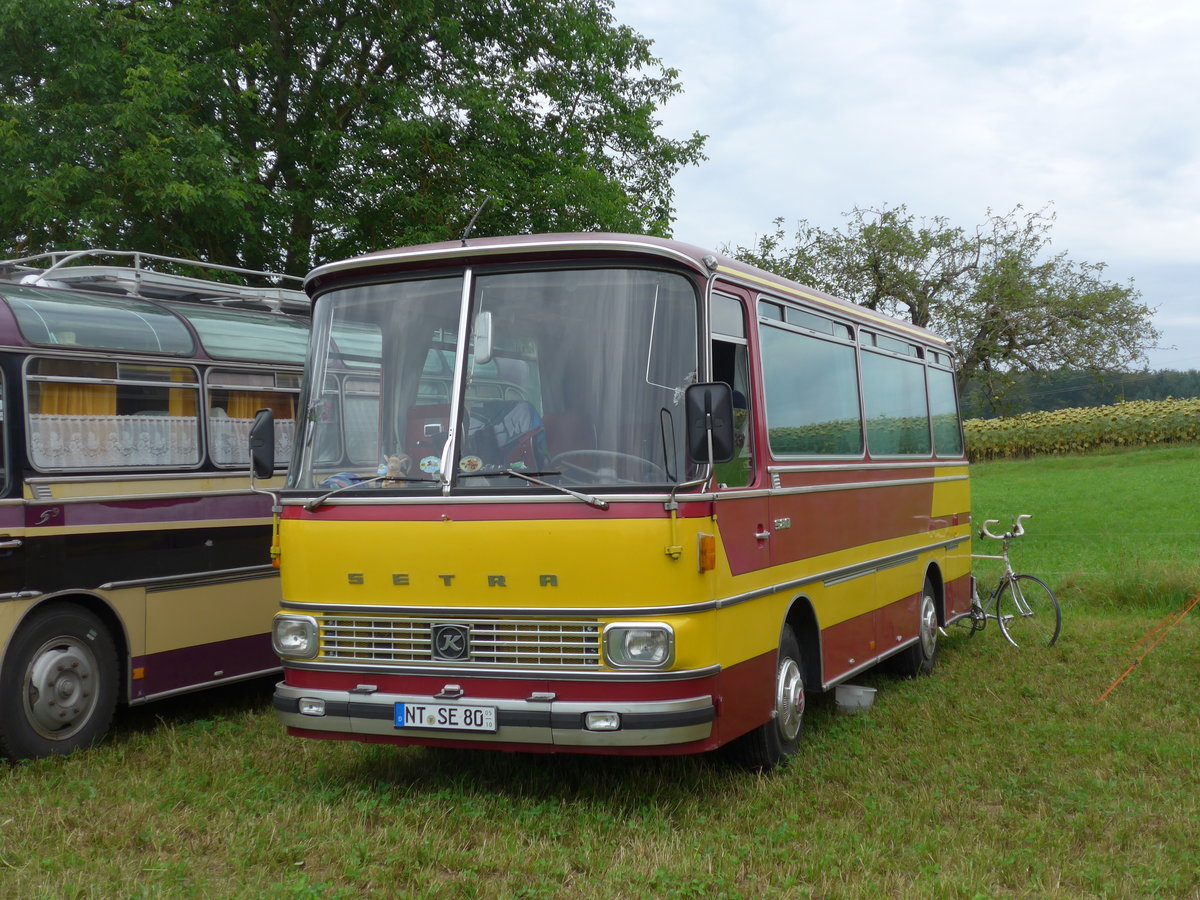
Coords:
pixel 133 278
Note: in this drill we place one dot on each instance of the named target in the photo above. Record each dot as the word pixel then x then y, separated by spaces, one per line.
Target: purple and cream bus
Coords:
pixel 134 558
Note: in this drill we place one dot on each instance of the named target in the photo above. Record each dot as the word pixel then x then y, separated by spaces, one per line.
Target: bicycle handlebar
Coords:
pixel 1016 531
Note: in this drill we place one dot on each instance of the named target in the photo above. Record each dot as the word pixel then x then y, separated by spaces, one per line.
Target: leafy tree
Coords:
pixel 996 293
pixel 278 133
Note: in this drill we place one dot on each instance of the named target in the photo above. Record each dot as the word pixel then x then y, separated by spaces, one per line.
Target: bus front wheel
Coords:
pixel 58 684
pixel 776 739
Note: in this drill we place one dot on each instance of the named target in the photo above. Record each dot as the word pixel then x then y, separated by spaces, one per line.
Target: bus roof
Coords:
pixel 595 244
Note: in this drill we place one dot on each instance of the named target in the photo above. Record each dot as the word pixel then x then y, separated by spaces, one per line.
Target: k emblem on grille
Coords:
pixel 451 642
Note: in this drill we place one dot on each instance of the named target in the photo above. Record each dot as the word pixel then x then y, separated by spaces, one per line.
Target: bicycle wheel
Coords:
pixel 1028 612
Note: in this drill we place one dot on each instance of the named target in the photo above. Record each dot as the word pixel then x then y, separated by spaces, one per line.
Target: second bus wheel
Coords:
pixel 58 684
pixel 920 657
pixel 776 739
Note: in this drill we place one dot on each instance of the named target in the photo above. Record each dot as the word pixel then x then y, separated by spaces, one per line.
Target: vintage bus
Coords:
pixel 134 558
pixel 607 494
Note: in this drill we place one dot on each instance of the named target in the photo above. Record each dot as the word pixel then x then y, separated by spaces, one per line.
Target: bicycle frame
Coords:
pixel 979 614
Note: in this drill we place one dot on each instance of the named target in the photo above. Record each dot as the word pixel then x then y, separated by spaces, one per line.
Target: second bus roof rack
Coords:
pixel 58 269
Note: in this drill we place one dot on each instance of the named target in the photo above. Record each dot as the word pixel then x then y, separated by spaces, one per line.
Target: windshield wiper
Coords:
pixel 589 499
pixel 317 501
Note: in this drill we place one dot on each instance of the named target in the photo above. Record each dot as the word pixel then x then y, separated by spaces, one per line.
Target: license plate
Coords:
pixel 445 716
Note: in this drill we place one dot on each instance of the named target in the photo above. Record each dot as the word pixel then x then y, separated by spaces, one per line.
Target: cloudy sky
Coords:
pixel 952 108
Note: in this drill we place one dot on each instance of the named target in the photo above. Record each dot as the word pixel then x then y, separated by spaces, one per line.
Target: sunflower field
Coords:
pixel 1138 423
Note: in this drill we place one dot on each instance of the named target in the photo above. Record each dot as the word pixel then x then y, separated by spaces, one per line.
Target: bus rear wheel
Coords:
pixel 920 658
pixel 775 740
pixel 58 685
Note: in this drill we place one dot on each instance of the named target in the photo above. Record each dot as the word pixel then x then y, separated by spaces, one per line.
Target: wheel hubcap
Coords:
pixel 789 700
pixel 60 689
pixel 929 627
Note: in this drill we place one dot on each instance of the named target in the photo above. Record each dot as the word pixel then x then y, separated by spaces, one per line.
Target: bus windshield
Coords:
pixel 571 376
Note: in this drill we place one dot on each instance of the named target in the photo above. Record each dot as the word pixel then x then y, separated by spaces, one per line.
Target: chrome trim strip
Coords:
pixel 869 664
pixel 867 467
pixel 494 499
pixel 438 671
pixel 776 490
pixel 859 572
pixel 20 595
pixel 218 576
pixel 145 476
pixel 249 676
pixel 499 611
pixel 833 576
pixel 858 485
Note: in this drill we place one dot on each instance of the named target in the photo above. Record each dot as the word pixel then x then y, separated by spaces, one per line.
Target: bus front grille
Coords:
pixel 542 643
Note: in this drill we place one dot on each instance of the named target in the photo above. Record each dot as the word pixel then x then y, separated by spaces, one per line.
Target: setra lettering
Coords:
pixel 404 579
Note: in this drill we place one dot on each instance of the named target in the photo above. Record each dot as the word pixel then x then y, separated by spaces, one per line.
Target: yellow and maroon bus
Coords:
pixel 607 494
pixel 134 559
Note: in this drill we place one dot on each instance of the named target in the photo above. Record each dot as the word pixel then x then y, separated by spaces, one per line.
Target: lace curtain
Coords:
pixel 229 440
pixel 110 442
pixel 118 442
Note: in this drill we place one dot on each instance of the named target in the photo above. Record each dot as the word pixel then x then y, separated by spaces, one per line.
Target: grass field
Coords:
pixel 1002 775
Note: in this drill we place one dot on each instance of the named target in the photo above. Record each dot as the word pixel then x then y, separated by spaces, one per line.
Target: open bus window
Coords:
pixel 731 365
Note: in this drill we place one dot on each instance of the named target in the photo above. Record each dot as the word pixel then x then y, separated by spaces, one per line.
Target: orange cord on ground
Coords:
pixel 1173 620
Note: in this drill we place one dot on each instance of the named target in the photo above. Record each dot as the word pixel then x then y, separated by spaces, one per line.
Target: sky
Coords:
pixel 954 108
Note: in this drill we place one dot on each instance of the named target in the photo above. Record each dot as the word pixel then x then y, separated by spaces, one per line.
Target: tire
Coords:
pixel 1038 624
pixel 58 684
pixel 920 657
pixel 775 740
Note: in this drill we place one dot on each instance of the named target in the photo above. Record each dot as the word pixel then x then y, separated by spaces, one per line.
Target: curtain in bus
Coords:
pixel 111 442
pixel 59 399
pixel 244 404
pixel 180 401
pixel 229 439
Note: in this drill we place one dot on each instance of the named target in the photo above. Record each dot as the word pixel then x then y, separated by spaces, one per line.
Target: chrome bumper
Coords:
pixel 533 721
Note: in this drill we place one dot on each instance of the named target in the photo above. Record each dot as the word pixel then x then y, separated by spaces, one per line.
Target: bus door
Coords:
pixel 741 514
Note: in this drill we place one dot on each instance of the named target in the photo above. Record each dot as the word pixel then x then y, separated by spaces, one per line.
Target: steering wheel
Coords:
pixel 646 467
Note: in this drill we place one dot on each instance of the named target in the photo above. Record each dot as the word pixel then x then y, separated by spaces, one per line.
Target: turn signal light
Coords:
pixel 708 552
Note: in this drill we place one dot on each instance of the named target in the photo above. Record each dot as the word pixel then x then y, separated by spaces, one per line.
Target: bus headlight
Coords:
pixel 295 636
pixel 630 645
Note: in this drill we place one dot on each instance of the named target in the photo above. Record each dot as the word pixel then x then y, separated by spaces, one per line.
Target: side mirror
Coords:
pixel 483 350
pixel 262 444
pixel 710 431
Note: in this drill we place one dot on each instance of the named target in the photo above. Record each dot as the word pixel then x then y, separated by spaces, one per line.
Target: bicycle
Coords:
pixel 1026 608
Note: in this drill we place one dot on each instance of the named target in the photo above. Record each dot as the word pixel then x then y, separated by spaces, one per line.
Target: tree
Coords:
pixel 278 133
pixel 1005 303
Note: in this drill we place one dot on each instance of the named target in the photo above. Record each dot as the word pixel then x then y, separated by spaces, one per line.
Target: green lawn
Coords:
pixel 1002 775
pixel 1117 529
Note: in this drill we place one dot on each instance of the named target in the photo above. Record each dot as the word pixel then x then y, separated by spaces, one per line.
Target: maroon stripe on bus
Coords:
pixel 138 512
pixel 196 667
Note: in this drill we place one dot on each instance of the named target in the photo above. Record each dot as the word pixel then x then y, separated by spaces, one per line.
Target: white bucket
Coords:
pixel 853 698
